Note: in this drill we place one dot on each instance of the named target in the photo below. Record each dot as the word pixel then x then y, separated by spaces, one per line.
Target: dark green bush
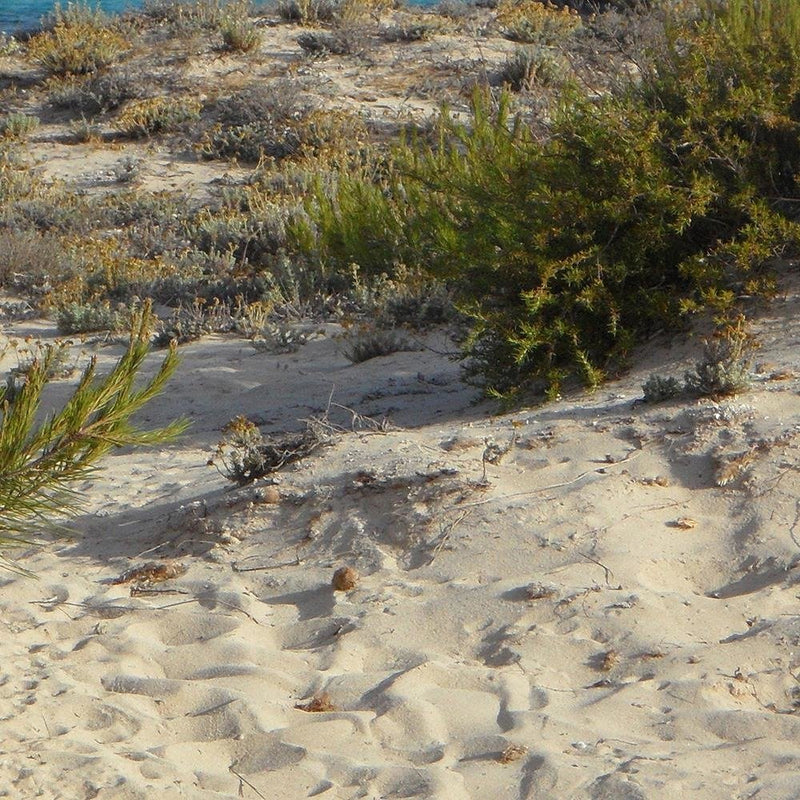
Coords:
pixel 673 194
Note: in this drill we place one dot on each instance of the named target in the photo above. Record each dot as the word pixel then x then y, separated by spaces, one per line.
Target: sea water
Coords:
pixel 27 14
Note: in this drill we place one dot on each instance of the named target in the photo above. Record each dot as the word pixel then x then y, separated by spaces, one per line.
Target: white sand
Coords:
pixel 548 632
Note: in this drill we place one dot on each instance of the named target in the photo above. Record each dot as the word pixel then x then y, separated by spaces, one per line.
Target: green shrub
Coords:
pixel 40 462
pixel 88 317
pixel 673 194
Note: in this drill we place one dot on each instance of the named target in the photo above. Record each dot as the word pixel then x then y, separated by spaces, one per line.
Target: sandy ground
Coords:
pixel 594 599
pixel 591 599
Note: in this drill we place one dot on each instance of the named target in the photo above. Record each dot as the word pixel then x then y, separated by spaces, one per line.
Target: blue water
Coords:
pixel 27 14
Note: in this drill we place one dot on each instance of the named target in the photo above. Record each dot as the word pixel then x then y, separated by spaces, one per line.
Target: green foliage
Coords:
pixel 673 194
pixel 40 461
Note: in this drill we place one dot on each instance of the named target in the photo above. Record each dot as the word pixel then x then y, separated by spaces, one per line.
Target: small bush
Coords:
pixel 533 22
pixel 95 94
pixel 367 342
pixel 531 67
pixel 413 31
pixel 246 454
pixel 725 368
pixel 658 389
pixel 79 42
pixel 85 130
pixel 189 14
pixel 157 115
pixel 309 11
pixel 239 35
pixel 17 126
pixel 343 41
pixel 89 317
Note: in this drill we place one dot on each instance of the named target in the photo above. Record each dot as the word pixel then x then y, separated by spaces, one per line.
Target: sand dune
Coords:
pixel 591 599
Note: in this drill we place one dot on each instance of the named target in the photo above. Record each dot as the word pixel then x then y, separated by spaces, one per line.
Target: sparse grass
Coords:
pixel 367 342
pixel 18 126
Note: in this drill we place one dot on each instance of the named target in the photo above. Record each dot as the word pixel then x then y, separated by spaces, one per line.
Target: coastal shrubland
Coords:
pixel 607 176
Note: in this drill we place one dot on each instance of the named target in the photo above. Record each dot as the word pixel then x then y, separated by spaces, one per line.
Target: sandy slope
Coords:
pixel 593 617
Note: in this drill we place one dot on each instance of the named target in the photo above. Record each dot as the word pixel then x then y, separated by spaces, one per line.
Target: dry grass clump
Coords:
pixel 530 67
pixel 367 342
pixel 533 22
pixel 144 118
pixel 246 454
pixel 17 125
pixel 80 41
pixel 94 94
pixel 239 34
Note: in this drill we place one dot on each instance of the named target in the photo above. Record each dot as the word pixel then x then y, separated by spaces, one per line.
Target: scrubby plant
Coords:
pixel 534 22
pixel 85 130
pixel 97 93
pixel 89 317
pixel 42 460
pixel 80 41
pixel 725 367
pixel 339 42
pixel 17 125
pixel 239 34
pixel 673 194
pixel 414 30
pixel 658 389
pixel 142 118
pixel 366 342
pixel 208 14
pixel 529 67
pixel 340 12
pixel 246 454
pixel 309 11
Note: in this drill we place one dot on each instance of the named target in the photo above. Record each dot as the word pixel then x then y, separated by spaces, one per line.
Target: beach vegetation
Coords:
pixel 80 40
pixel 44 458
